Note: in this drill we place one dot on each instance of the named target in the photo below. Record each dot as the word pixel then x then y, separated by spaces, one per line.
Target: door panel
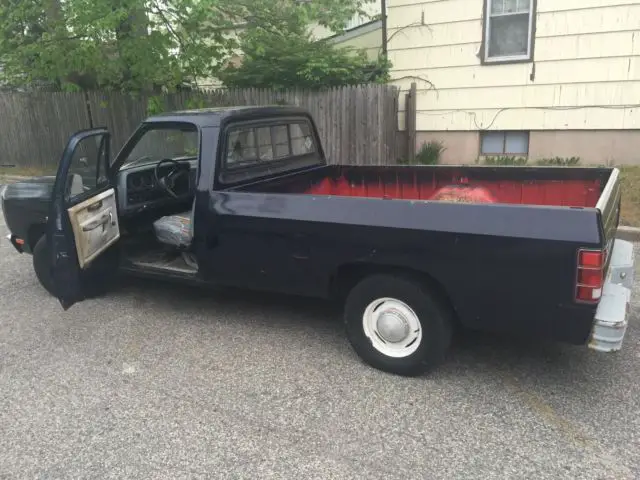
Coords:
pixel 95 226
pixel 83 222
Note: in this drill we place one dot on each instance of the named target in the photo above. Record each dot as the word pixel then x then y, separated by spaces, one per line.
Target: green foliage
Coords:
pixel 135 45
pixel 302 63
pixel 430 153
pixel 504 161
pixel 559 161
pixel 196 103
pixel 157 45
pixel 519 161
pixel 155 105
pixel 279 51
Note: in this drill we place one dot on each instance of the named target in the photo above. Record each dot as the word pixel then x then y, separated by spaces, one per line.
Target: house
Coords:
pixel 362 32
pixel 534 78
pixel 366 36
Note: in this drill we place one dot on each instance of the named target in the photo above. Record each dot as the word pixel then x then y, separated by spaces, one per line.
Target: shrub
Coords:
pixel 559 161
pixel 504 161
pixel 430 153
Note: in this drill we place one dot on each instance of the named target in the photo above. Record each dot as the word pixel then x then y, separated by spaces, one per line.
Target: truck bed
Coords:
pixel 564 187
pixel 541 218
pixel 552 203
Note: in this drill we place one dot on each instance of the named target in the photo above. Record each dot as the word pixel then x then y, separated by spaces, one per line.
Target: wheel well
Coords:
pixel 349 275
pixel 34 233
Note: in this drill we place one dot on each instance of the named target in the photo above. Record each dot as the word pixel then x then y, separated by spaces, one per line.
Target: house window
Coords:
pixel 508 30
pixel 504 143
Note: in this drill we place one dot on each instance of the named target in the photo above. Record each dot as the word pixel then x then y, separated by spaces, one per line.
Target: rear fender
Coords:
pixel 349 275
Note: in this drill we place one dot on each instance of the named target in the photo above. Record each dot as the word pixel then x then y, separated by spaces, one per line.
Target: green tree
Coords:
pixel 147 45
pixel 137 45
pixel 278 50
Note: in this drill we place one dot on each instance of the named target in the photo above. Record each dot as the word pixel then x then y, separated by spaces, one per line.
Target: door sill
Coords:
pixel 160 262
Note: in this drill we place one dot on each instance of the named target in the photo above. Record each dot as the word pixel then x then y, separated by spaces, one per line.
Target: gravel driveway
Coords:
pixel 159 381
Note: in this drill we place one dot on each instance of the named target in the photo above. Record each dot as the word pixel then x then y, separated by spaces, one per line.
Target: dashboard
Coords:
pixel 138 189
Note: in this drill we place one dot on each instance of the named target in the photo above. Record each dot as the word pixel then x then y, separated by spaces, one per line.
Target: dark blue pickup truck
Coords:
pixel 244 197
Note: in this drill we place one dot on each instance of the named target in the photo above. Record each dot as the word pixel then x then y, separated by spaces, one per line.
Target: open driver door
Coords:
pixel 83 221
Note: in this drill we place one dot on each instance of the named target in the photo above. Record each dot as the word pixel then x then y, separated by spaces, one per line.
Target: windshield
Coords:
pixel 162 142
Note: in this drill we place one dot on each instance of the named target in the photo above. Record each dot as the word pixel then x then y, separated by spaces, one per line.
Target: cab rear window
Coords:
pixel 248 146
pixel 261 149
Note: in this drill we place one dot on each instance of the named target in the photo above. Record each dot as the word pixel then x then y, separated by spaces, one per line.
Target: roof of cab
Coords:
pixel 212 117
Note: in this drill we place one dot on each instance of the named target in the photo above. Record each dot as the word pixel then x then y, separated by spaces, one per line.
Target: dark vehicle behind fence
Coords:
pixel 244 197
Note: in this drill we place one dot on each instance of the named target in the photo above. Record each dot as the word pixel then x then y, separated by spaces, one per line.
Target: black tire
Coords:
pixel 435 321
pixel 42 264
pixel 96 281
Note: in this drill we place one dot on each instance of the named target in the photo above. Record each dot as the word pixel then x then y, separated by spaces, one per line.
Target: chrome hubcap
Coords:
pixel 393 327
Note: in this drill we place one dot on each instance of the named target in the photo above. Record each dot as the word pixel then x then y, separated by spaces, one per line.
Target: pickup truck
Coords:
pixel 244 197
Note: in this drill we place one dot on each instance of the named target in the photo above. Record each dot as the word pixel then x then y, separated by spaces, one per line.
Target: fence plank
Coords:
pixel 357 125
pixel 34 128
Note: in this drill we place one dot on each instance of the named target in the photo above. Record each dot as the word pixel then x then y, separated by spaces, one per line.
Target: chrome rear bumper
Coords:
pixel 611 321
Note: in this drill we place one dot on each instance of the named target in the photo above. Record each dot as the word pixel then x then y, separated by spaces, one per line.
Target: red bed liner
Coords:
pixel 569 193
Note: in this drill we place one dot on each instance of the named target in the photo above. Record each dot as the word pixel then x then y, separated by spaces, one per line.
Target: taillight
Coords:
pixel 590 276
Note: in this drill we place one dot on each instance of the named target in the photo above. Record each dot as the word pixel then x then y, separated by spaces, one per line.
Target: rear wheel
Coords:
pixel 42 264
pixel 397 325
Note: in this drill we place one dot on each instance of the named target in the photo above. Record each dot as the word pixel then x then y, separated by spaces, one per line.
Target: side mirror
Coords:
pixel 84 161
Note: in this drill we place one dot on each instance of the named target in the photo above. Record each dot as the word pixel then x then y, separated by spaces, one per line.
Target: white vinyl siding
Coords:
pixel 586 74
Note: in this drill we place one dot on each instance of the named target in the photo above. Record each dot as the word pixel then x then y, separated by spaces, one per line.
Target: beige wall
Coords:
pixel 594 147
pixel 461 147
pixel 370 9
pixel 586 52
pixel 369 41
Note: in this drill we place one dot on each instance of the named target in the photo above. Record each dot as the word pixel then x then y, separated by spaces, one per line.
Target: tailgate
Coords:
pixel 609 207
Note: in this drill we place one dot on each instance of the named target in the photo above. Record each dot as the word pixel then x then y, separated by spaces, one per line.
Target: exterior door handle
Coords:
pixel 98 223
pixel 300 247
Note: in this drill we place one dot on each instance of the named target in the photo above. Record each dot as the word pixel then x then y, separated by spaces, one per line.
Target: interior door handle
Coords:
pixel 98 223
pixel 94 206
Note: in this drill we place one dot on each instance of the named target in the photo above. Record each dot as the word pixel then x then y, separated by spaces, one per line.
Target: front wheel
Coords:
pixel 397 325
pixel 95 280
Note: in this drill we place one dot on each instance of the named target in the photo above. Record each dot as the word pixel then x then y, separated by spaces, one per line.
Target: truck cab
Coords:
pixel 158 207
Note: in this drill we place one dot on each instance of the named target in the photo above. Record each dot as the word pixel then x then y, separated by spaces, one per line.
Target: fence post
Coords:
pixel 410 121
pixel 87 104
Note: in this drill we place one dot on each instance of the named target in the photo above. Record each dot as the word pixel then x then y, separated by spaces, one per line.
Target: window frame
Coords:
pixel 229 177
pixel 103 152
pixel 486 32
pixel 121 162
pixel 504 144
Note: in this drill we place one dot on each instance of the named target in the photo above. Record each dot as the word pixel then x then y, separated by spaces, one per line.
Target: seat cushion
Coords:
pixel 174 229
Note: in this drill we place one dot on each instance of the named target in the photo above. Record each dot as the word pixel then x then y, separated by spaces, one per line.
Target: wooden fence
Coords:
pixel 357 125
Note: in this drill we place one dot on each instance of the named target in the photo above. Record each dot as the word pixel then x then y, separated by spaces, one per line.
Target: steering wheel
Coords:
pixel 167 182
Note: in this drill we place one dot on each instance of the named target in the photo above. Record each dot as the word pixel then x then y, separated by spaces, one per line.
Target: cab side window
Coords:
pixel 87 168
